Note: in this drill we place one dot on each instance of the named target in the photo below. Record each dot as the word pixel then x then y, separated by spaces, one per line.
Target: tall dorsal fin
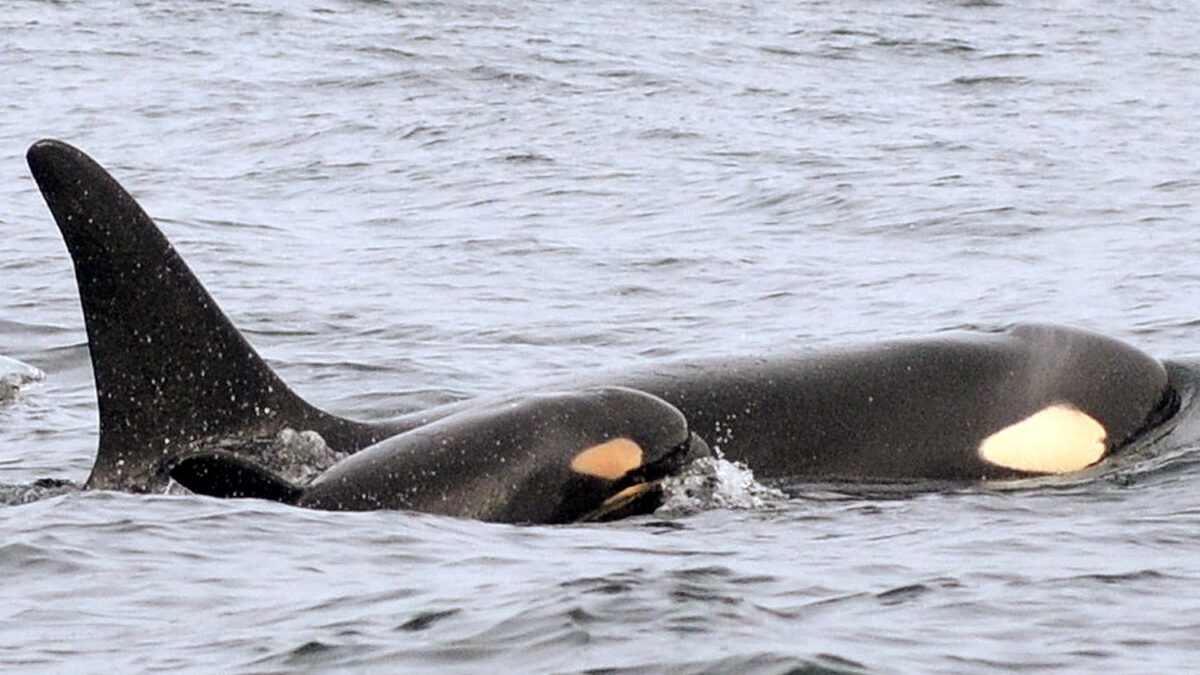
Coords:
pixel 170 368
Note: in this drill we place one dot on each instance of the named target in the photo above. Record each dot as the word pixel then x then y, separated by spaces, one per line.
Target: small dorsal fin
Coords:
pixel 220 474
pixel 170 368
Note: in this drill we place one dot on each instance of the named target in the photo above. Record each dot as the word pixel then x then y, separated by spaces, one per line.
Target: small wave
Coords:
pixel 922 47
pixel 37 560
pixel 527 157
pixel 751 664
pixel 424 620
pixel 15 495
pixel 988 81
pixel 715 483
pixel 1153 464
pixel 14 375
pixel 1144 575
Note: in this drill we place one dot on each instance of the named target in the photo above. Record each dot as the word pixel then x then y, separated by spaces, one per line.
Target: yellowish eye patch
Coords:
pixel 1056 439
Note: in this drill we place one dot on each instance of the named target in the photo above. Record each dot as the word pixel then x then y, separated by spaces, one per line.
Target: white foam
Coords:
pixel 14 375
pixel 715 483
pixel 300 455
pixel 296 455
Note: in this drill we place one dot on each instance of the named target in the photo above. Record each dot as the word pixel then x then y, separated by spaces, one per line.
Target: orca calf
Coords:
pixel 175 379
pixel 597 454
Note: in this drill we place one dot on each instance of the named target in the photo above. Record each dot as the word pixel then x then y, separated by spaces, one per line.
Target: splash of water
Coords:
pixel 715 482
pixel 14 375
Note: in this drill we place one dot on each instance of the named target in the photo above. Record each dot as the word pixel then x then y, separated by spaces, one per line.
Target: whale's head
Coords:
pixel 619 445
pixel 559 457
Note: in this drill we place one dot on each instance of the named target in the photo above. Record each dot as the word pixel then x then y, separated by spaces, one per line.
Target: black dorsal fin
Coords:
pixel 170 368
pixel 220 474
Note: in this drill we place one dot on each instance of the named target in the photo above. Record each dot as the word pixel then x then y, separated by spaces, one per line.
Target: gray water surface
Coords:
pixel 407 203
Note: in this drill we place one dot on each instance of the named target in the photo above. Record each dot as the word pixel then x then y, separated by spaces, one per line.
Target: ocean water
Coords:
pixel 408 203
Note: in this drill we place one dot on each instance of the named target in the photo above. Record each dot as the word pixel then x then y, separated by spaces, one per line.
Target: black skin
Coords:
pixel 173 374
pixel 170 368
pixel 509 462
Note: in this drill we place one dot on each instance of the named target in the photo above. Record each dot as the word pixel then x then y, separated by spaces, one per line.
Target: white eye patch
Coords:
pixel 1056 439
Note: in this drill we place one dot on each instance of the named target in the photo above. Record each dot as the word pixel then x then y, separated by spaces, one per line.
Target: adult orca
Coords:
pixel 596 454
pixel 173 375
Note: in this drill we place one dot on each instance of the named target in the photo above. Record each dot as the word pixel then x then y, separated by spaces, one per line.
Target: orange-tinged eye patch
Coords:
pixel 608 460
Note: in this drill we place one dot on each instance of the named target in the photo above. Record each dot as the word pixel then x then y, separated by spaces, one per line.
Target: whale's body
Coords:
pixel 174 376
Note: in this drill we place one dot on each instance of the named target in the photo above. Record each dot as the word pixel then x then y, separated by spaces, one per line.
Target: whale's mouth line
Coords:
pixel 628 501
pixel 640 490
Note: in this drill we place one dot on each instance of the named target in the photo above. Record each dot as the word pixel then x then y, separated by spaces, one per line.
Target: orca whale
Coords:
pixel 596 454
pixel 174 377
